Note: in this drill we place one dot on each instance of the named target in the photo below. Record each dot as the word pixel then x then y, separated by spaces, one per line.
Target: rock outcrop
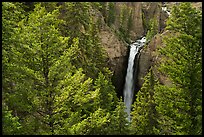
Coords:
pixel 117 54
pixel 117 50
pixel 149 56
pixel 142 12
pixel 137 29
pixel 152 10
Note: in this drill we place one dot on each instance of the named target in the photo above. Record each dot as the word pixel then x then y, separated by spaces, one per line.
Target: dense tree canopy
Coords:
pixel 46 101
pixel 177 108
pixel 56 81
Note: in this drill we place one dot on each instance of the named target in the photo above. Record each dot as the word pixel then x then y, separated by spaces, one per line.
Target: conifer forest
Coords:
pixel 67 70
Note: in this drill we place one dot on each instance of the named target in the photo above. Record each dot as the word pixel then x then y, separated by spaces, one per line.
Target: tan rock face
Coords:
pixel 137 29
pixel 117 50
pixel 113 46
pixel 197 5
pixel 117 56
pixel 149 56
pixel 153 10
pixel 144 65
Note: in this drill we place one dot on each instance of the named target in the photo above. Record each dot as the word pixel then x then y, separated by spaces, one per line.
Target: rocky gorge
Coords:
pixel 117 48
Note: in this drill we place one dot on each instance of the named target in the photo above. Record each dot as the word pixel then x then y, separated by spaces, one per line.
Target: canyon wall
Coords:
pixel 117 49
pixel 149 54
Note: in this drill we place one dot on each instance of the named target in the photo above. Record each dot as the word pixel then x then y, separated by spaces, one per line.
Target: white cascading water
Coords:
pixel 129 80
pixel 165 9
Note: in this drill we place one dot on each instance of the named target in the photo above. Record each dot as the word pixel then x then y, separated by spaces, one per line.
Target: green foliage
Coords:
pixel 119 122
pixel 103 10
pixel 56 81
pixel 107 95
pixel 79 23
pixel 153 29
pixel 15 95
pixel 172 108
pixel 185 19
pixel 182 61
pixel 9 24
pixel 96 123
pixel 74 102
pixel 81 108
pixel 46 101
pixel 126 22
pixel 76 15
pixel 97 5
pixel 11 125
pixel 144 20
pixel 111 13
pixel 144 114
pixel 40 48
pixel 176 108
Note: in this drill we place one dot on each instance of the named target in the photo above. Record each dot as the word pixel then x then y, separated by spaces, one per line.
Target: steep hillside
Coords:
pixel 121 24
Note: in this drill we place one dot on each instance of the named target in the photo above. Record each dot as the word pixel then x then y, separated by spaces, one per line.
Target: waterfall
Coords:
pixel 166 10
pixel 129 80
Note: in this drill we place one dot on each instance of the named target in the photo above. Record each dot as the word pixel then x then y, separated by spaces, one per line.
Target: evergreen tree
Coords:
pixel 47 87
pixel 9 25
pixel 80 23
pixel 182 61
pixel 77 17
pixel 103 10
pixel 111 13
pixel 107 94
pixel 80 107
pixel 38 46
pixel 172 107
pixel 125 22
pixel 74 102
pixel 144 115
pixel 11 125
pixel 119 122
pixel 153 29
pixel 13 101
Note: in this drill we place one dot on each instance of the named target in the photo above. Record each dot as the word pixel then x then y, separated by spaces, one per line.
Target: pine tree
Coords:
pixel 171 107
pixel 153 29
pixel 9 25
pixel 125 22
pixel 144 115
pixel 11 125
pixel 80 107
pixel 75 101
pixel 107 94
pixel 77 17
pixel 80 23
pixel 119 122
pixel 11 79
pixel 111 13
pixel 182 61
pixel 37 51
pixel 95 124
pixel 46 101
